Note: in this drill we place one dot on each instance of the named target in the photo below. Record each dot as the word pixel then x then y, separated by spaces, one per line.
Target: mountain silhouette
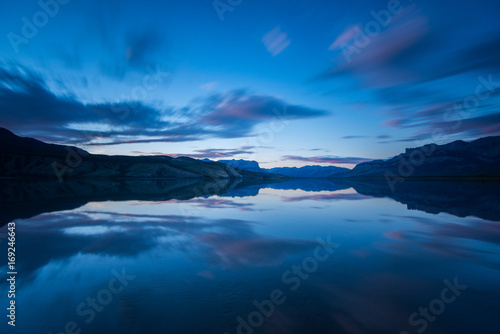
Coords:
pixel 479 158
pixel 28 157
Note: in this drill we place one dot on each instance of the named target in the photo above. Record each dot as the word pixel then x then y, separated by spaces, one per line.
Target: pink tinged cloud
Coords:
pixel 346 37
pixel 396 39
pixel 370 56
pixel 395 123
pixel 209 86
pixel 327 159
pixel 276 41
pixel 327 197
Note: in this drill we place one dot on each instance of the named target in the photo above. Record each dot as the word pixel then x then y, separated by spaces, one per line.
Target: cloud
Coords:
pixel 210 153
pixel 487 125
pixel 238 112
pixel 326 159
pixel 209 86
pixel 25 99
pixel 442 120
pixel 209 203
pixel 414 66
pixel 126 45
pixel 276 41
pixel 383 137
pixel 218 203
pixel 363 137
pixel 140 45
pixel 327 197
pixel 354 137
pixel 439 237
pixel 224 242
pixel 481 56
pixel 346 37
pixel 370 57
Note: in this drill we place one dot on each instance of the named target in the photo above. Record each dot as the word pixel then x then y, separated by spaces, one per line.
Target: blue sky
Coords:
pixel 286 83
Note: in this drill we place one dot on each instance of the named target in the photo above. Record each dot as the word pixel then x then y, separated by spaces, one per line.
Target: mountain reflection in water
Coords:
pixel 201 254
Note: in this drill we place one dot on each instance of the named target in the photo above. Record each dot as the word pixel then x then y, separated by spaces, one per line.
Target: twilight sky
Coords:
pixel 286 83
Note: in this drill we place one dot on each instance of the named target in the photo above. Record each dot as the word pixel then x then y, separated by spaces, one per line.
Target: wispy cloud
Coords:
pixel 276 41
pixel 210 153
pixel 354 137
pixel 373 58
pixel 237 112
pixel 486 125
pixel 25 99
pixel 209 86
pixel 140 45
pixel 346 37
pixel 126 45
pixel 227 243
pixel 327 197
pixel 413 67
pixel 326 159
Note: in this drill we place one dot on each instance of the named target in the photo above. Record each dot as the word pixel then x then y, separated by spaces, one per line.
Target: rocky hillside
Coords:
pixel 249 165
pixel 479 158
pixel 310 171
pixel 27 157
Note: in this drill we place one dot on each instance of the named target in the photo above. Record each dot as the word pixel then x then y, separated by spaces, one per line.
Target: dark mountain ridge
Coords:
pixel 478 158
pixel 28 157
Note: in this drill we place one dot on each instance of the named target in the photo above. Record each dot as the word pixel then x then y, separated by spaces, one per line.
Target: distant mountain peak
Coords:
pixel 249 165
pixel 311 171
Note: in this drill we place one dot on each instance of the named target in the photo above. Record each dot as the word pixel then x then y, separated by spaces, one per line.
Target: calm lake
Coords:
pixel 303 256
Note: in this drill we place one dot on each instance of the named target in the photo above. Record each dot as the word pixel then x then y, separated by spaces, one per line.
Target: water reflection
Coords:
pixel 23 199
pixel 202 253
pixel 223 242
pixel 466 198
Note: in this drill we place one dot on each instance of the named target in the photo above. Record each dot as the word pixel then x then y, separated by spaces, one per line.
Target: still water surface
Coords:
pixel 308 256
